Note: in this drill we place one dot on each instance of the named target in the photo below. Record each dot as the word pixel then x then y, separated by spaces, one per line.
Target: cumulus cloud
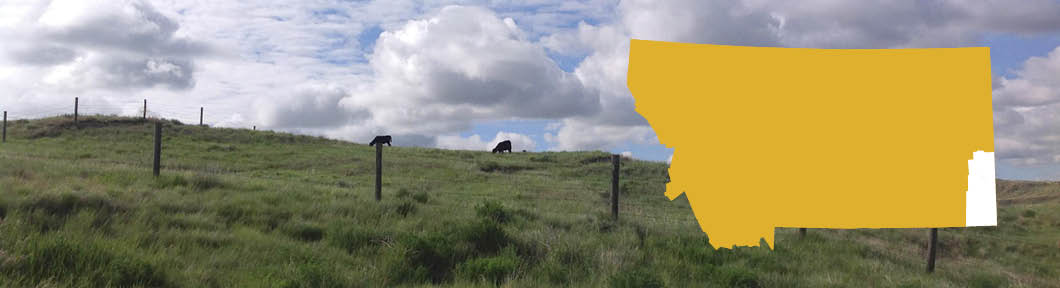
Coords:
pixel 577 134
pixel 604 68
pixel 466 64
pixel 318 68
pixel 438 75
pixel 1027 112
pixel 313 106
pixel 475 142
pixel 1035 84
pixel 715 22
pixel 112 45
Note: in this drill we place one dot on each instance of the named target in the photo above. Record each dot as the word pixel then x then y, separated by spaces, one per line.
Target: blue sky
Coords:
pixel 1007 51
pixel 466 74
pixel 1007 54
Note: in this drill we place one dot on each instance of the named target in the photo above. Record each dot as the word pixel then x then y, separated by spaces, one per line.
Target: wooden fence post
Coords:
pixel 615 159
pixel 200 116
pixel 5 127
pixel 145 109
pixel 378 171
pixel 932 246
pixel 75 111
pixel 158 148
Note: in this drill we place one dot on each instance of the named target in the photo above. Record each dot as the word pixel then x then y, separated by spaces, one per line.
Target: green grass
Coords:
pixel 79 208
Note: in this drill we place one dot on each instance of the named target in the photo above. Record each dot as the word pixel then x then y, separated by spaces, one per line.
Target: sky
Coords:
pixel 548 75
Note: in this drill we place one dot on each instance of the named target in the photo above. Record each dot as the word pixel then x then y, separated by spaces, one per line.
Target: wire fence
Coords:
pixel 571 196
pixel 568 200
pixel 211 113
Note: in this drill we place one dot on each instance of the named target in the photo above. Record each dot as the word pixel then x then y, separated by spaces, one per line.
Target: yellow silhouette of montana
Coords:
pixel 820 138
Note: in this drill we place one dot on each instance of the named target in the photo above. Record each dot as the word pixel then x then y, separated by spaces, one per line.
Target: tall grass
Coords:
pixel 238 208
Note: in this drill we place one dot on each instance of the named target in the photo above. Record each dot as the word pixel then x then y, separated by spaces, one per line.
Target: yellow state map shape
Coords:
pixel 817 138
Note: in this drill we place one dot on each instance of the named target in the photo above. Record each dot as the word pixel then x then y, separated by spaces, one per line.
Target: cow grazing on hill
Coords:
pixel 505 145
pixel 380 140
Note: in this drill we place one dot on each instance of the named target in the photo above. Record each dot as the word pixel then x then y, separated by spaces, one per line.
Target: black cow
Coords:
pixel 380 140
pixel 503 146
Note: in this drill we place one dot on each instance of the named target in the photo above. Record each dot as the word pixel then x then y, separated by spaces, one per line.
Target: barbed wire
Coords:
pixel 671 213
pixel 575 196
pixel 88 107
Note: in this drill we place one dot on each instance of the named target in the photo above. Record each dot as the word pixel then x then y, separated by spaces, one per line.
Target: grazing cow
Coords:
pixel 380 140
pixel 503 146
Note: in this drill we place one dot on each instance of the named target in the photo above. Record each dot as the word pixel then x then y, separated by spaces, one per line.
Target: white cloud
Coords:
pixel 897 24
pixel 714 22
pixel 1035 84
pixel 577 134
pixel 1027 113
pixel 439 75
pixel 466 64
pixel 62 48
pixel 473 142
pixel 312 106
pixel 438 70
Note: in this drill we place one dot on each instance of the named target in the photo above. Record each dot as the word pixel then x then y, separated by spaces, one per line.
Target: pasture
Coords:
pixel 240 208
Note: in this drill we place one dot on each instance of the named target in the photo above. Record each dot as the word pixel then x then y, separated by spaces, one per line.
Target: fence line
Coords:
pixel 187 115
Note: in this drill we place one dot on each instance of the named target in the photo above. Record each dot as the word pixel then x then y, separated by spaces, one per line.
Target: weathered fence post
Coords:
pixel 255 127
pixel 931 249
pixel 145 109
pixel 802 232
pixel 200 116
pixel 5 127
pixel 616 159
pixel 75 111
pixel 158 147
pixel 378 171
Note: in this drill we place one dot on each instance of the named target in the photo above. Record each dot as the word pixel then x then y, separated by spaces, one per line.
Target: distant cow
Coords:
pixel 503 146
pixel 380 140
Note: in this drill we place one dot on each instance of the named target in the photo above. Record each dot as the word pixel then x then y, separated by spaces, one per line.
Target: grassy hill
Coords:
pixel 79 207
